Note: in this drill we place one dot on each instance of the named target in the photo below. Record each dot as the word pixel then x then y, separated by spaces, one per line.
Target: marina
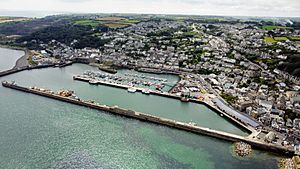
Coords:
pixel 127 79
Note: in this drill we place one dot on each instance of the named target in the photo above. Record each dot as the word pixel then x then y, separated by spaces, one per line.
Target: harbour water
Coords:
pixel 37 132
pixel 56 79
pixel 8 58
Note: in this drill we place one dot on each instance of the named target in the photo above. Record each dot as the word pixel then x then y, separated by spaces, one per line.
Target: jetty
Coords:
pixel 190 127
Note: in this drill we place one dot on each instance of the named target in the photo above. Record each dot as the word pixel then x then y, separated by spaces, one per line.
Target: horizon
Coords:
pixel 251 8
pixel 41 14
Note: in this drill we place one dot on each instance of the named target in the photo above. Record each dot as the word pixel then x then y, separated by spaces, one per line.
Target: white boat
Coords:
pixel 94 82
pixel 146 91
pixel 192 123
pixel 131 89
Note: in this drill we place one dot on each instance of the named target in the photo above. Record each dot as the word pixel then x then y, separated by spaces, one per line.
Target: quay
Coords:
pixel 156 71
pixel 215 109
pixel 155 119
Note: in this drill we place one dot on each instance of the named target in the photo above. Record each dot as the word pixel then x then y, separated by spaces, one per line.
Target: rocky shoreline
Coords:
pixel 287 163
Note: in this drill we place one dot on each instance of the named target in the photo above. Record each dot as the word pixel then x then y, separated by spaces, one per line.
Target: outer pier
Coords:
pixel 157 120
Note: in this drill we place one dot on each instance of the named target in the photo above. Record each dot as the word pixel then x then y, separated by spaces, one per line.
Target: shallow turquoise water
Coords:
pixel 38 132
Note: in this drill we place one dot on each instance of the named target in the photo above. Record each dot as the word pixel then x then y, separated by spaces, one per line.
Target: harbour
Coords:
pixel 77 140
pixel 145 90
pixel 108 95
pixel 153 119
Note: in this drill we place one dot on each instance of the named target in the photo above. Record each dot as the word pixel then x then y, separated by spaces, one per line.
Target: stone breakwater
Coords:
pixel 242 149
pixel 154 119
pixel 287 163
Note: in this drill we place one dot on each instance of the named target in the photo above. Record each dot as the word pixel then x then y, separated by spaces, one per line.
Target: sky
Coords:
pixel 286 8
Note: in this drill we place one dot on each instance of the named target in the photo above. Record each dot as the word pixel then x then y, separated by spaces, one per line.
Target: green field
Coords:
pixel 274 27
pixel 116 25
pixel 269 40
pixel 294 38
pixel 88 23
pixel 130 21
pixel 281 38
pixel 111 22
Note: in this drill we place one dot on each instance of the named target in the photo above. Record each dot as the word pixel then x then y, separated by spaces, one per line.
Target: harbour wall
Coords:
pixel 159 120
pixel 15 70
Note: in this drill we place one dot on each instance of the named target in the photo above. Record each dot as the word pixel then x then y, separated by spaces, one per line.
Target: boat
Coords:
pixel 146 91
pixel 185 99
pixel 131 90
pixel 108 69
pixel 93 82
pixel 192 123
pixel 64 64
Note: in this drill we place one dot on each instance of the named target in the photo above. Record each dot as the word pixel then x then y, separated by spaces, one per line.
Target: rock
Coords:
pixel 242 149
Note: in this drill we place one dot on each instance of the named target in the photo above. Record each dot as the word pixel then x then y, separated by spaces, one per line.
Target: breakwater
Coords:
pixel 154 119
pixel 19 69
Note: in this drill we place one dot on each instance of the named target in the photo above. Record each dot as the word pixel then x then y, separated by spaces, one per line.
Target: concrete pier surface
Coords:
pixel 155 119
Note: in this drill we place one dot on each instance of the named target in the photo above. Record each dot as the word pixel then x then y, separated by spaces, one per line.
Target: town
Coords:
pixel 214 53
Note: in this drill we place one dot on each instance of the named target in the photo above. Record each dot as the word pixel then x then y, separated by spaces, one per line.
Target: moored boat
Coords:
pixel 146 91
pixel 93 82
pixel 185 99
pixel 131 90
